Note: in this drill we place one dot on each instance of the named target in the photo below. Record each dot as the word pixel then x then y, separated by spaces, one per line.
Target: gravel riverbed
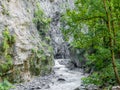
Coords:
pixel 61 78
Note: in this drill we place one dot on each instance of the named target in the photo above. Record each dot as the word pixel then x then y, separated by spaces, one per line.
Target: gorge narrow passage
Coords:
pixel 59 44
pixel 62 79
pixel 67 79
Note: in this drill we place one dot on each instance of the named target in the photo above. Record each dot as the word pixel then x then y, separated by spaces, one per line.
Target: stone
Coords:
pixel 38 87
pixel 116 88
pixel 92 87
pixel 47 87
pixel 77 89
pixel 61 79
pixel 51 0
pixel 78 58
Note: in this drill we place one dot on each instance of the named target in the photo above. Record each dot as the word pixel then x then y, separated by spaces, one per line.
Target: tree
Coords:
pixel 101 20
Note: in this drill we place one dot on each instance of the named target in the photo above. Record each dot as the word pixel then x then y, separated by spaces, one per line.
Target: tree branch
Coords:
pixel 94 17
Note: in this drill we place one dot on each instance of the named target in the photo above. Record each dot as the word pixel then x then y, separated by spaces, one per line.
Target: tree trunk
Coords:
pixel 111 35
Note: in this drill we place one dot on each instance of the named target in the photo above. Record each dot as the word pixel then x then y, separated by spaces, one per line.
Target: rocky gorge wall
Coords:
pixel 54 9
pixel 23 53
pixel 25 50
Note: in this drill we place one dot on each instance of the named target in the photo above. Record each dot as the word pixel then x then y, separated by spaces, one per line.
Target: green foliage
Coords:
pixel 100 59
pixel 87 24
pixel 5 85
pixel 93 79
pixel 8 40
pixel 103 77
pixel 40 54
pixel 48 39
pixel 37 61
pixel 41 21
pixel 41 61
pixel 4 10
pixel 6 66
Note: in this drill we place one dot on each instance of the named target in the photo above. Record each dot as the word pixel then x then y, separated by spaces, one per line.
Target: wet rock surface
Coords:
pixel 88 87
pixel 116 88
pixel 61 78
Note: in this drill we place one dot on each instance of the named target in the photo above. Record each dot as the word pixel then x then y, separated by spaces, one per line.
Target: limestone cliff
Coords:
pixel 54 9
pixel 25 44
pixel 23 52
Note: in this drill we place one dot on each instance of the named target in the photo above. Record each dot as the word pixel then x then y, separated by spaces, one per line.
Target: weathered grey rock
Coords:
pixel 61 79
pixel 68 80
pixel 88 87
pixel 92 87
pixel 47 87
pixel 116 88
pixel 17 16
pixel 38 87
pixel 77 56
pixel 77 89
pixel 54 10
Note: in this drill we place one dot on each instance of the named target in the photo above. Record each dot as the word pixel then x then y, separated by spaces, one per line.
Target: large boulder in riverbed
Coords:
pixel 78 57
pixel 116 88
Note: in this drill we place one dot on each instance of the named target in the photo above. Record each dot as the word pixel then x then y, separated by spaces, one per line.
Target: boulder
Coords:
pixel 61 79
pixel 116 88
pixel 92 87
pixel 77 56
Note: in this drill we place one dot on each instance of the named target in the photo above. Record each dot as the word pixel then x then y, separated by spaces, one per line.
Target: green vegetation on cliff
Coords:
pixel 6 56
pixel 42 61
pixel 41 21
pixel 6 52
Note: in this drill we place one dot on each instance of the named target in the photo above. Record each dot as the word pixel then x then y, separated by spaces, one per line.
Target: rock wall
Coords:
pixel 23 51
pixel 20 42
pixel 54 10
pixel 78 58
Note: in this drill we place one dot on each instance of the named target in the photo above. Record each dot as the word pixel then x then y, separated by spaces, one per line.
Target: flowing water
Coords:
pixel 68 79
pixel 62 79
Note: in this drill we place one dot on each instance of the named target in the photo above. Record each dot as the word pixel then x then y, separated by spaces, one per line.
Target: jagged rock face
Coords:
pixel 54 9
pixel 23 51
pixel 17 17
pixel 77 57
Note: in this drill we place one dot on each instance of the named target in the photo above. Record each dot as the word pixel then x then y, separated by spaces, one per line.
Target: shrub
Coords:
pixel 41 21
pixel 5 85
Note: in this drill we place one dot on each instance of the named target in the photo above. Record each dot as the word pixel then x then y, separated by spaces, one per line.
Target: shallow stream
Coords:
pixel 68 79
pixel 62 78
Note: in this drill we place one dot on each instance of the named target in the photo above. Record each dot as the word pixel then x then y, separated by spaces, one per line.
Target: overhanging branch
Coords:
pixel 94 17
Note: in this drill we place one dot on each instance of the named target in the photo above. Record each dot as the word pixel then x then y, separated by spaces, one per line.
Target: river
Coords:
pixel 62 78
